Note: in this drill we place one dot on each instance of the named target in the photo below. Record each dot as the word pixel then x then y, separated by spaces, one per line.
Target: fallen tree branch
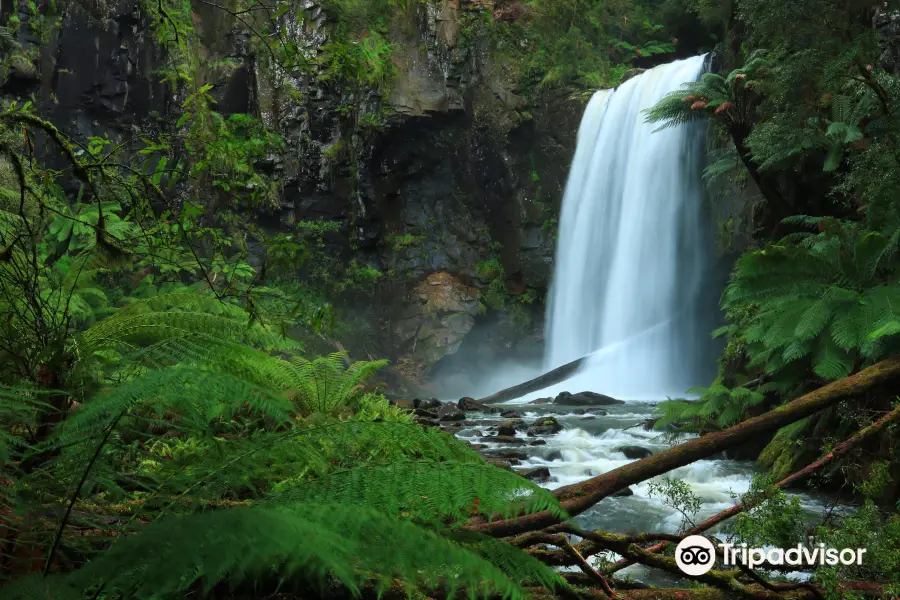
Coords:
pixel 587 569
pixel 859 587
pixel 837 452
pixel 576 499
pixel 538 383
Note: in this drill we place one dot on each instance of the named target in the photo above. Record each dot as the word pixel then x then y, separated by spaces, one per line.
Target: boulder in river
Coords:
pixel 542 401
pixel 510 414
pixel 505 454
pixel 427 404
pixel 545 426
pixel 502 462
pixel 507 439
pixel 593 411
pixel 538 443
pixel 634 451
pixel 425 414
pixel 537 474
pixel 626 492
pixel 448 412
pixel 585 399
pixel 511 426
pixel 468 404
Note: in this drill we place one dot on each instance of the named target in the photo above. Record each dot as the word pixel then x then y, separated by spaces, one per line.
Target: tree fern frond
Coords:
pixel 355 545
pixel 39 587
pixel 428 490
pixel 511 560
pixel 196 395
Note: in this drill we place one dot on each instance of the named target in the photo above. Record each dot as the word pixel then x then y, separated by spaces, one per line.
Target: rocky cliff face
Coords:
pixel 459 171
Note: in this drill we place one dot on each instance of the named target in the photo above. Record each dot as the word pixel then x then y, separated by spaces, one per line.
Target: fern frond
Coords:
pixel 427 490
pixel 303 542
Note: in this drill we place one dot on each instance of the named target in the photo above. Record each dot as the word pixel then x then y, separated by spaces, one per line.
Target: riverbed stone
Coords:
pixel 634 452
pixel 545 426
pixel 448 412
pixel 504 454
pixel 536 474
pixel 585 399
pixel 468 404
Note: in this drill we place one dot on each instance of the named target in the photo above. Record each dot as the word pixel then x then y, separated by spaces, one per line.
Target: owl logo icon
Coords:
pixel 695 555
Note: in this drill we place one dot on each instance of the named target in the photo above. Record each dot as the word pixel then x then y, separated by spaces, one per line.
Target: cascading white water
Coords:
pixel 632 255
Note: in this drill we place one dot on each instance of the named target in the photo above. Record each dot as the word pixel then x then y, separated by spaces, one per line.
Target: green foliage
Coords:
pixel 586 44
pixel 775 518
pixel 730 100
pixel 678 495
pixel 718 407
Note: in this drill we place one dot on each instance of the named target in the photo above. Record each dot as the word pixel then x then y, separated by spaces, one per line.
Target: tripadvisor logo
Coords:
pixel 695 555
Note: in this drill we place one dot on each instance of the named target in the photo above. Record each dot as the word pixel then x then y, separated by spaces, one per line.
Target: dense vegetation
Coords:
pixel 167 432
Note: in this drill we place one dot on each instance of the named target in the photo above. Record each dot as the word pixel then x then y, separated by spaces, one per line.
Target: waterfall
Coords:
pixel 631 283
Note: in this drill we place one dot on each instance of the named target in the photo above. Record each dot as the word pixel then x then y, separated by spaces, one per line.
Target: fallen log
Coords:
pixel 538 383
pixel 866 589
pixel 838 451
pixel 577 498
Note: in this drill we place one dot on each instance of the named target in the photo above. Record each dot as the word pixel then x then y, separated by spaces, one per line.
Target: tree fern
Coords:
pixel 427 490
pixel 357 546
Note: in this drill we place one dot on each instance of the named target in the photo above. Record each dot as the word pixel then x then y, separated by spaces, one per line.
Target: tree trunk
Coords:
pixel 840 450
pixel 776 204
pixel 538 383
pixel 579 497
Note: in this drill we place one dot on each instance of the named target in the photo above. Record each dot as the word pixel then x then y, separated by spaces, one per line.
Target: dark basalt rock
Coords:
pixel 427 404
pixel 538 443
pixel 585 399
pixel 448 412
pixel 425 414
pixel 468 404
pixel 510 414
pixel 542 401
pixel 545 426
pixel 626 492
pixel 511 426
pixel 537 474
pixel 505 454
pixel 634 452
pixel 508 439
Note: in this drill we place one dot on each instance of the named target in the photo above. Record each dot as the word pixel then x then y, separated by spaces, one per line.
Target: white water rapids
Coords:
pixel 632 289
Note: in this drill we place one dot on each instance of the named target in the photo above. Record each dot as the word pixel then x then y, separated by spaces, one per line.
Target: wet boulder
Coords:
pixel 634 452
pixel 545 426
pixel 505 454
pixel 585 399
pixel 542 401
pixel 510 414
pixel 624 493
pixel 537 474
pixel 425 414
pixel 448 412
pixel 509 440
pixel 431 404
pixel 511 426
pixel 468 404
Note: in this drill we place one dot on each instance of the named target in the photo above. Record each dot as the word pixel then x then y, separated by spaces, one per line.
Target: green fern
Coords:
pixel 357 546
pixel 427 490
